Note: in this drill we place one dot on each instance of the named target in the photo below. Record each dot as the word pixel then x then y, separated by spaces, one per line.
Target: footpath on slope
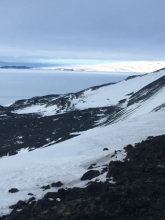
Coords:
pixel 138 191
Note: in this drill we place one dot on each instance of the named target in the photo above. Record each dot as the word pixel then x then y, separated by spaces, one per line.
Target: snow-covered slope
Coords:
pixel 71 131
pixel 107 95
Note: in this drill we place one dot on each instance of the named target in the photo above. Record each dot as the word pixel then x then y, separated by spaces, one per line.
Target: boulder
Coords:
pixel 57 184
pixel 30 194
pixel 13 190
pixel 90 175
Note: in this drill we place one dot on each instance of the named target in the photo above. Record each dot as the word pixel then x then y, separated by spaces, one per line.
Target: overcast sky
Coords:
pixel 83 29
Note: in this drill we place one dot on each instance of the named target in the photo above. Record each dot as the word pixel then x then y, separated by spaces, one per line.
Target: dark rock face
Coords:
pixel 90 175
pixel 138 192
pixel 30 194
pixel 57 184
pixel 105 149
pixel 13 190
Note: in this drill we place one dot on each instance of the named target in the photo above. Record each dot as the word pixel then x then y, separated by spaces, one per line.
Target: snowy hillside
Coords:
pixel 56 138
pixel 103 96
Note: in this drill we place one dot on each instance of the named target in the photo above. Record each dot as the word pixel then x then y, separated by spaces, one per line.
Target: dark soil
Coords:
pixel 139 191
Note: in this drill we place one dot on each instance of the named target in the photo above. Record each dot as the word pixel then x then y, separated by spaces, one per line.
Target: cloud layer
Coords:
pixel 100 29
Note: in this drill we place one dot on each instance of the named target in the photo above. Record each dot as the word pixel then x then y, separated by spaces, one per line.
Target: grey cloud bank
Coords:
pixel 109 29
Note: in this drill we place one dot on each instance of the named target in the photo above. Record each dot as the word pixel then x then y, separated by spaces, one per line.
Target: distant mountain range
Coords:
pixel 119 67
pixel 15 67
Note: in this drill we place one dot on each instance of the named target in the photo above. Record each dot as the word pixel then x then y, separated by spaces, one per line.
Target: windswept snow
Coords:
pixel 112 94
pixel 31 109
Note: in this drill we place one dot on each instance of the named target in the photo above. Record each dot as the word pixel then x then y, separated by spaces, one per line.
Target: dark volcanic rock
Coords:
pixel 19 205
pixel 45 187
pixel 105 149
pixel 138 192
pixel 13 190
pixel 57 184
pixel 90 175
pixel 30 194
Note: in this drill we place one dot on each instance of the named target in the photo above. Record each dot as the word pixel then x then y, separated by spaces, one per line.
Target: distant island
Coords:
pixel 15 67
pixel 64 69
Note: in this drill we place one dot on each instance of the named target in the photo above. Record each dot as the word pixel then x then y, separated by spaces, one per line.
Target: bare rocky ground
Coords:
pixel 138 191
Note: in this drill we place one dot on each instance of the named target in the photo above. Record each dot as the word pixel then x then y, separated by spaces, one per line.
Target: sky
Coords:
pixel 111 30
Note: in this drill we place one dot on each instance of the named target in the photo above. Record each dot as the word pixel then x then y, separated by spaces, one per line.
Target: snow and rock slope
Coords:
pixel 104 96
pixel 56 138
pixel 54 118
pixel 137 191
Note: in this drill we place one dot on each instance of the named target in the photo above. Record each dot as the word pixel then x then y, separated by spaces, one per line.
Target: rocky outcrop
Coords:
pixel 90 175
pixel 57 184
